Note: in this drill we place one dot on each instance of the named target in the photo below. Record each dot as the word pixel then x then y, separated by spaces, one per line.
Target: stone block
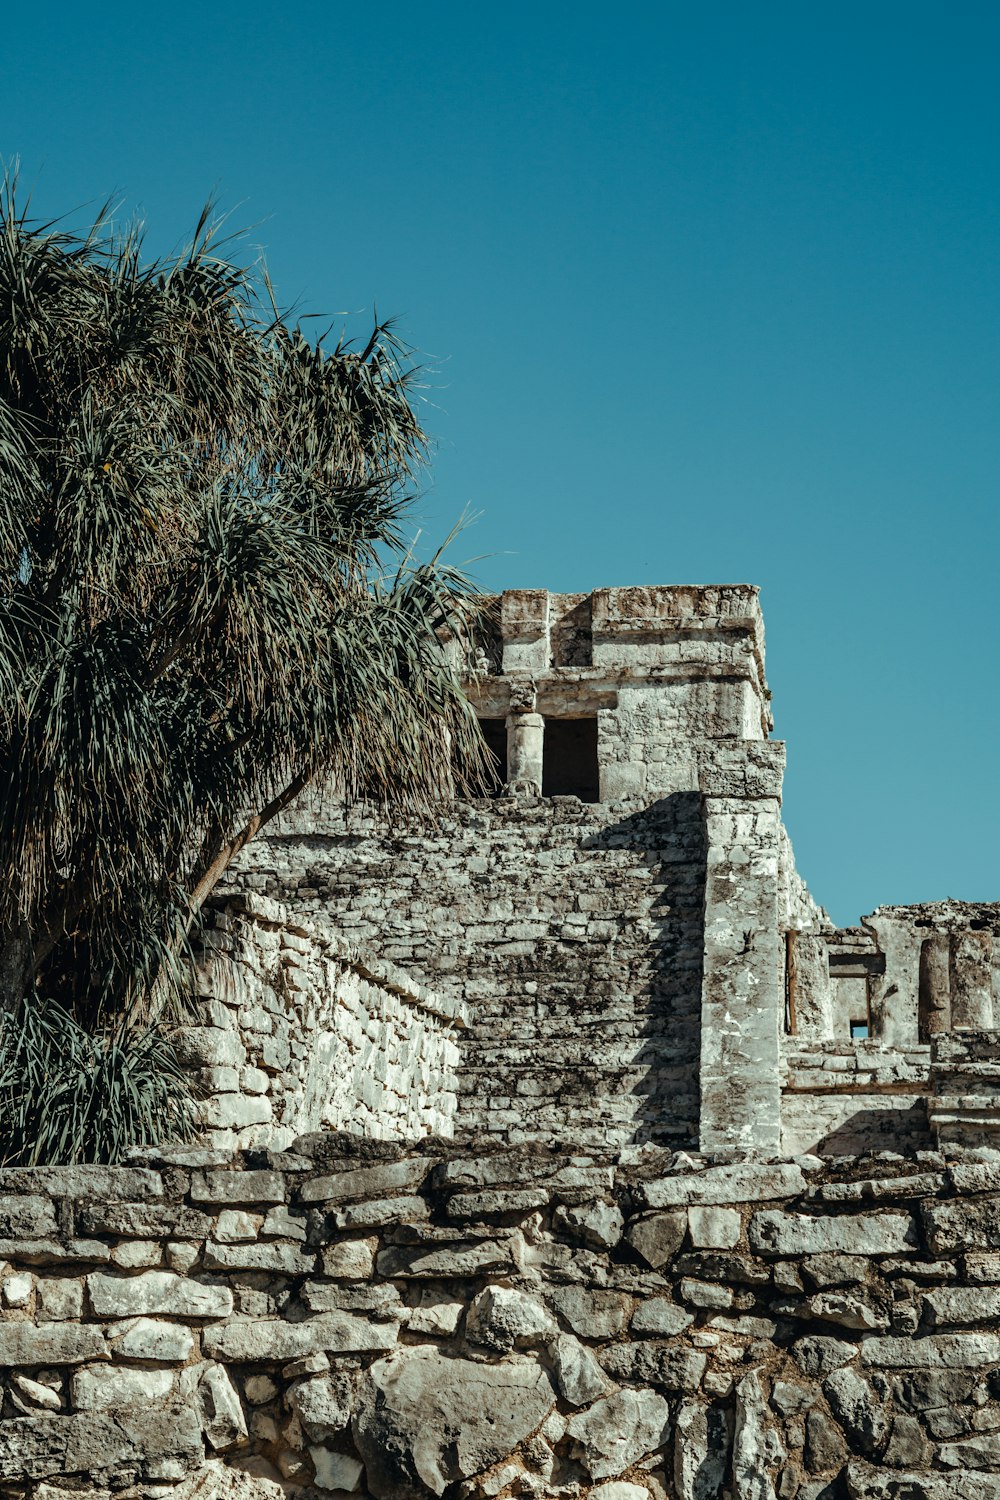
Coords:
pixel 28 1217
pixel 658 1237
pixel 367 1182
pixel 278 1258
pixel 238 1187
pixel 617 1431
pixel 50 1344
pixel 59 1298
pixel 113 1388
pixel 92 1183
pixel 350 1260
pixel 741 1182
pixel 151 1339
pixel 157 1292
pixel 712 1228
pixel 773 1232
pixel 273 1341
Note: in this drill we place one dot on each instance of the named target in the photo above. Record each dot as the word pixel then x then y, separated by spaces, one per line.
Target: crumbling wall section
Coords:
pixel 399 1323
pixel 296 1029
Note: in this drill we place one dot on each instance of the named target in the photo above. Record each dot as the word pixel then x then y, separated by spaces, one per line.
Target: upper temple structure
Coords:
pixel 616 946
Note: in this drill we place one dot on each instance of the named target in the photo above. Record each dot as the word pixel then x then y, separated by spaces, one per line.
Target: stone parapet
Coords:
pixel 295 1028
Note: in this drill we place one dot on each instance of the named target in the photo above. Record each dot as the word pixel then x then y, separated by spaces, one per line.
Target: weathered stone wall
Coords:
pixel 573 931
pixel 295 1029
pixel 358 1317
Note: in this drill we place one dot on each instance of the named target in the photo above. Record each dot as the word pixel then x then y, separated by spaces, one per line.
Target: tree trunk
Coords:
pixel 17 965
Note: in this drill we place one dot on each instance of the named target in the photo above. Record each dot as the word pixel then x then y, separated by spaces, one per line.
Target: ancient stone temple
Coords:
pixel 559 1146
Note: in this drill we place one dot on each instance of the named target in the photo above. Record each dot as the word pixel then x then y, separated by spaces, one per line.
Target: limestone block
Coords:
pixel 235 1111
pixel 591 1314
pixel 350 1260
pixel 598 1225
pixel 156 1292
pixel 848 1311
pixel 50 1344
pixel 617 1431
pixel 741 1182
pixel 59 1298
pixel 503 1318
pixel 867 1483
pixel 819 1354
pixel 282 1224
pixel 87 1444
pixel 941 1351
pixel 29 1217
pixel 459 1260
pixel 15 1291
pixel 234 1226
pixel 145 1221
pixel 425 1421
pixel 751 1480
pixel 336 1471
pixel 111 1387
pixel 773 1232
pixel 858 1410
pixel 713 1228
pixel 578 1375
pixel 496 1201
pixel 215 1480
pixel 84 1181
pixel 702 1441
pixel 962 1225
pixel 210 1047
pixel 238 1187
pixel 957 1305
pixel 658 1317
pixel 619 1489
pixel 281 1259
pixel 435 1316
pixel 222 1419
pixel 658 1237
pixel 381 1211
pixel 31 1395
pixel 151 1339
pixel 264 1341
pixel 404 1176
pixel 323 1403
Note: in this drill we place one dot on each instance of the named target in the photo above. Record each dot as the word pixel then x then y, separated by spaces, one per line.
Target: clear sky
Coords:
pixel 707 293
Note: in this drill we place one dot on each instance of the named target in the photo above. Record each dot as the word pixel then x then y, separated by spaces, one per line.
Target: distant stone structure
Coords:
pixel 623 919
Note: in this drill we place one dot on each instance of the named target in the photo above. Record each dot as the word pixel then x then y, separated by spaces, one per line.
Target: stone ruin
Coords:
pixel 560 1146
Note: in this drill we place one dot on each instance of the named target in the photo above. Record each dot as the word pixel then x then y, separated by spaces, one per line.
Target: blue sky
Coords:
pixel 705 292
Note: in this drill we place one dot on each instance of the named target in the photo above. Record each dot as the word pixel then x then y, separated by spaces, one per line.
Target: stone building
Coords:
pixel 622 924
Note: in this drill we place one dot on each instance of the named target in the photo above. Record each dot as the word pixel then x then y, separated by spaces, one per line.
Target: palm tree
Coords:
pixel 205 603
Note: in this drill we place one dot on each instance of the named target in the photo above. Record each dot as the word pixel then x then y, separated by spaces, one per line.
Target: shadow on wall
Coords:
pixel 879 1129
pixel 669 837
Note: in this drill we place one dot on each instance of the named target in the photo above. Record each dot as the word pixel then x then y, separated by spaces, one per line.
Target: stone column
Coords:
pixel 935 987
pixel 742 982
pixel 525 740
pixel 971 974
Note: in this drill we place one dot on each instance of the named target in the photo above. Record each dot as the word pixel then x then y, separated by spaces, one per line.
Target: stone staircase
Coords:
pixel 963 1105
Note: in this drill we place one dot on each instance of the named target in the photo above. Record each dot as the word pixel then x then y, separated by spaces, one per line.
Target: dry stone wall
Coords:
pixel 295 1030
pixel 354 1317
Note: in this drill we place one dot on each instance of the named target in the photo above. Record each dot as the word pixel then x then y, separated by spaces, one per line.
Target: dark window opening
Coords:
pixel 859 1031
pixel 495 735
pixel 569 759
